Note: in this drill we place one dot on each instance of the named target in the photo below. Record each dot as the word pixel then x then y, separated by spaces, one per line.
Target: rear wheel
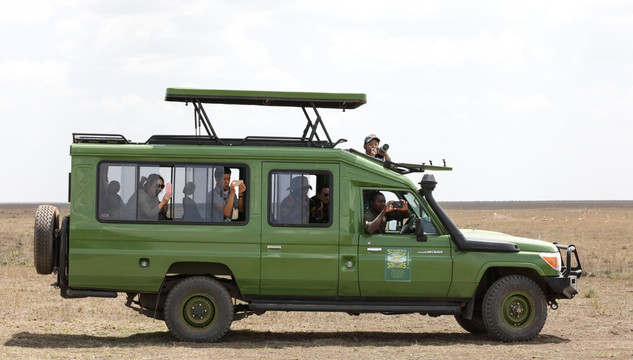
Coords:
pixel 46 223
pixel 514 309
pixel 198 309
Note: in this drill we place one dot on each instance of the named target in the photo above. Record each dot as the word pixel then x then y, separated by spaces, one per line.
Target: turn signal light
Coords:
pixel 553 259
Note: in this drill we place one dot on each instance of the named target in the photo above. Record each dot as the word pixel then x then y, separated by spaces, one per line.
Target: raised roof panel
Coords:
pixel 267 98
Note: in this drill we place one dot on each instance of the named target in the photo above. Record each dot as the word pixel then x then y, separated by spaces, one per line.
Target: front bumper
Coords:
pixel 565 285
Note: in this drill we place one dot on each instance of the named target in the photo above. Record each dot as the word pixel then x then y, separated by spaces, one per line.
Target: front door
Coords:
pixel 394 265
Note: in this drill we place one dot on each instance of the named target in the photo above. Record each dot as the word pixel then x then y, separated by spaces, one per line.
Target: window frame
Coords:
pixel 314 172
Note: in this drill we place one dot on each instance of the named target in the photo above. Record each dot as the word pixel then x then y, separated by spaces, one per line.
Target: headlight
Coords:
pixel 553 259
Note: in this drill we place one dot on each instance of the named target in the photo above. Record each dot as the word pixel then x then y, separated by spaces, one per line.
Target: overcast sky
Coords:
pixel 527 100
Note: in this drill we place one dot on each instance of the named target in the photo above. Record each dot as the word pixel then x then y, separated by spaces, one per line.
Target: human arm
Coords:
pixel 162 206
pixel 241 191
pixel 373 225
pixel 228 207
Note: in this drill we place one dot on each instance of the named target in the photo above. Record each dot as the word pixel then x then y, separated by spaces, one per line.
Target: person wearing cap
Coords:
pixel 372 148
pixel 294 208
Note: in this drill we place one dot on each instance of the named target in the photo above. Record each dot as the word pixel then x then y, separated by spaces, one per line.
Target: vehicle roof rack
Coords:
pixel 267 98
pixel 314 100
pixel 247 141
pixel 405 168
pixel 99 138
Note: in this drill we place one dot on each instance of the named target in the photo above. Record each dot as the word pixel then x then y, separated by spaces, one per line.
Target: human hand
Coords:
pixel 165 199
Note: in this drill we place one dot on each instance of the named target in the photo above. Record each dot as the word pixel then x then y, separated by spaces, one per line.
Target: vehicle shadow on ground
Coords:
pixel 247 339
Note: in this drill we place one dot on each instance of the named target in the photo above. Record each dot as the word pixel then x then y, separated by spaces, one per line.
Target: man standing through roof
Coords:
pixel 372 148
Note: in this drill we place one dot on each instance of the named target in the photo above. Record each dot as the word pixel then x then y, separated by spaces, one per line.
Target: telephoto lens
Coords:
pixel 384 148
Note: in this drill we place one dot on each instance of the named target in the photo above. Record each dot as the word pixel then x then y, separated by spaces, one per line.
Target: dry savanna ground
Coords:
pixel 38 324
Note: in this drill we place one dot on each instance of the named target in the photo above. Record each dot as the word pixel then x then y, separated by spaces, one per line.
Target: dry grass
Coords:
pixel 603 236
pixel 598 323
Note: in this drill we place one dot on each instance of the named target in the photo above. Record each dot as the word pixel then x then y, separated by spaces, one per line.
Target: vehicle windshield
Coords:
pixel 415 207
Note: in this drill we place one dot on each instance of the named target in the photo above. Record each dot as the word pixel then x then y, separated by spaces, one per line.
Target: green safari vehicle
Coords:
pixel 201 231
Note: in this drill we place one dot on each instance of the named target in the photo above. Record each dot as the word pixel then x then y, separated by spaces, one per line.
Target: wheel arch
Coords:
pixel 218 271
pixel 492 274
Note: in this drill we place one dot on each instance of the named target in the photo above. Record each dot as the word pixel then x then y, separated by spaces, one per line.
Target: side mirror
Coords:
pixel 419 230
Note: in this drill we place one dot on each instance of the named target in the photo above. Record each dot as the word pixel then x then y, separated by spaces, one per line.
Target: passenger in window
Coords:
pixel 224 197
pixel 215 197
pixel 232 199
pixel 189 207
pixel 294 209
pixel 320 205
pixel 378 213
pixel 373 149
pixel 149 207
pixel 114 203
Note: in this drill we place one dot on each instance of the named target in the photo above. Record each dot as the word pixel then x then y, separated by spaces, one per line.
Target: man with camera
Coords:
pixel 373 148
pixel 379 212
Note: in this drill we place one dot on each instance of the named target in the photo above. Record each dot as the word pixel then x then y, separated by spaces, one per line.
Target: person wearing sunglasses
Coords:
pixel 149 207
pixel 320 205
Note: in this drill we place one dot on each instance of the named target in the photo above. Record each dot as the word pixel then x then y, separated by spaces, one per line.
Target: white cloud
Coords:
pixel 34 74
pixel 513 84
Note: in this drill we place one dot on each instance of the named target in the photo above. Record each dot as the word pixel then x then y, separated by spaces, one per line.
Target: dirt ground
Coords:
pixel 37 323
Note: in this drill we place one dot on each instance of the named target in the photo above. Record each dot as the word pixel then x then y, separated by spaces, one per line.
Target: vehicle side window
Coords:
pixel 199 193
pixel 375 200
pixel 209 193
pixel 117 184
pixel 300 198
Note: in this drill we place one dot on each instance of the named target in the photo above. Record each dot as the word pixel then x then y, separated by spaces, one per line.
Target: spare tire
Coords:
pixel 46 222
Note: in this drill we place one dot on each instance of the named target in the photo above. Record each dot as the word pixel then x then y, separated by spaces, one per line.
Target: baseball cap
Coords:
pixel 371 137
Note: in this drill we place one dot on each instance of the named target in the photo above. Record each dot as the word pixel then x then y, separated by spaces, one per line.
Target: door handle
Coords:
pixel 273 247
pixel 374 249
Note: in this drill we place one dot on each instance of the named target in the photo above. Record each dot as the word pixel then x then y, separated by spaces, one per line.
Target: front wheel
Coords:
pixel 198 309
pixel 514 309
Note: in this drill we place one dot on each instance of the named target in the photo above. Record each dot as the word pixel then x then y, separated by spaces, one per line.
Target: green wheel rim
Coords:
pixel 199 311
pixel 518 310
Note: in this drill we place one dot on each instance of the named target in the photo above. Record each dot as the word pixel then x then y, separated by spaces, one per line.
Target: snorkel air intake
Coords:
pixel 427 185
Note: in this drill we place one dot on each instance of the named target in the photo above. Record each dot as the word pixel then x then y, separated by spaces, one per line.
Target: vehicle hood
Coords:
pixel 524 244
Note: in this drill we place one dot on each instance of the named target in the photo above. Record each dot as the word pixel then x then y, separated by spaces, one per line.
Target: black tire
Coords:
pixel 514 309
pixel 475 325
pixel 46 222
pixel 198 309
pixel 62 273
